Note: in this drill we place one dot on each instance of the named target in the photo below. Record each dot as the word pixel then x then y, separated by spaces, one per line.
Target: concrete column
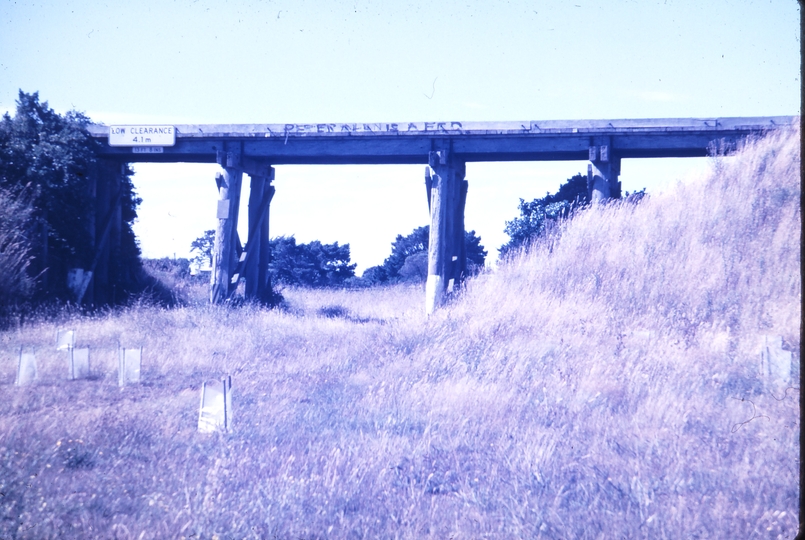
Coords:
pixel 225 257
pixel 445 252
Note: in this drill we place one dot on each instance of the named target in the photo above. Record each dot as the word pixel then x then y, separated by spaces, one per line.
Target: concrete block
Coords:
pixel 130 362
pixel 775 362
pixel 78 367
pixel 26 367
pixel 215 409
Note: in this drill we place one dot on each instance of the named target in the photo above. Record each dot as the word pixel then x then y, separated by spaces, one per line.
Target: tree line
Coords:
pixel 316 264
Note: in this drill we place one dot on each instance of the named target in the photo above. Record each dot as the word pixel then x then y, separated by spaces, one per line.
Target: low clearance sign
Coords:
pixel 142 136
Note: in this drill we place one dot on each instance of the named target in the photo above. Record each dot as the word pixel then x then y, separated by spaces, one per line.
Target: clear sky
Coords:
pixel 242 61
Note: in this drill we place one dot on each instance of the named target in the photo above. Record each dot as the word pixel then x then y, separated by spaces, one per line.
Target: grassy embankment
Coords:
pixel 604 386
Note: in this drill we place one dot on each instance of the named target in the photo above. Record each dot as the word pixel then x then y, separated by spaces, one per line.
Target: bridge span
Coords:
pixel 444 147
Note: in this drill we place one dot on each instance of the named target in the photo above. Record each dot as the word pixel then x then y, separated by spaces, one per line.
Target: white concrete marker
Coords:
pixel 215 410
pixel 78 367
pixel 26 367
pixel 130 362
pixel 775 363
pixel 65 340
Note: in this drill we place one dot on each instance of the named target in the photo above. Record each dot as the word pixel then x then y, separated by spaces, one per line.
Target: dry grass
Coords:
pixel 605 386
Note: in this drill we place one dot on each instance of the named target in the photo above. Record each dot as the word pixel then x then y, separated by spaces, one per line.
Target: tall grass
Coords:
pixel 605 385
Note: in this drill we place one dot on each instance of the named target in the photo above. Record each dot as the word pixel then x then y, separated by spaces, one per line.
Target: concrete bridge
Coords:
pixel 444 147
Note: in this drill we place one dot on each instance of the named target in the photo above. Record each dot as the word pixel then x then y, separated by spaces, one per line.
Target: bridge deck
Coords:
pixel 410 142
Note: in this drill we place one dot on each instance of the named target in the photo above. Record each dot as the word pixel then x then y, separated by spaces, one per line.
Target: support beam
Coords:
pixel 44 266
pixel 603 171
pixel 428 185
pixel 446 257
pixel 265 291
pixel 103 208
pixel 258 285
pixel 92 220
pixel 115 234
pixel 225 257
pixel 104 271
pixel 256 187
pixel 460 267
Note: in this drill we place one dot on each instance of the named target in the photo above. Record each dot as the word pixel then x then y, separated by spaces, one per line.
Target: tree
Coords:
pixel 309 265
pixel 408 258
pixel 303 265
pixel 535 218
pixel 203 246
pixel 375 275
pixel 415 268
pixel 476 254
pixel 55 158
pixel 573 191
pixel 403 247
pixel 538 215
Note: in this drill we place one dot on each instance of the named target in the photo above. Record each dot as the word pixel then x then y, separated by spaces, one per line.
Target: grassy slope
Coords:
pixel 599 391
